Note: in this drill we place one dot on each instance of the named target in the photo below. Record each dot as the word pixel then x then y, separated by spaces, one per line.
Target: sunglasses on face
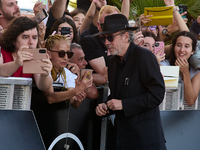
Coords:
pixel 61 53
pixel 150 27
pixel 110 38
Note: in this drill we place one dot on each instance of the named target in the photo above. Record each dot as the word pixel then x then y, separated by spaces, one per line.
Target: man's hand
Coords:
pixel 139 38
pixel 101 109
pixel 100 3
pixel 169 2
pixel 145 19
pixel 115 104
pixel 73 67
pixel 38 7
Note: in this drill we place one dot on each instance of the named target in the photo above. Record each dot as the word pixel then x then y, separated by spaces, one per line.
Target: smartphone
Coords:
pixel 35 65
pixel 41 15
pixel 65 30
pixel 89 74
pixel 158 46
pixel 182 8
pixel 138 24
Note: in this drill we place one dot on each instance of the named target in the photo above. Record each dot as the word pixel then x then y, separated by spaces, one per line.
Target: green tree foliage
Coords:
pixel 137 7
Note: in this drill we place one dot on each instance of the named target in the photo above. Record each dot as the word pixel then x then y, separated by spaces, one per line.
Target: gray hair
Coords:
pixel 131 35
pixel 75 45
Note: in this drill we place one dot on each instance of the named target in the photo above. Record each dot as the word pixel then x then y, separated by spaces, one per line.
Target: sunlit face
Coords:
pixel 183 47
pixel 57 61
pixel 10 9
pixel 27 38
pixel 101 20
pixel 115 47
pixel 79 58
pixel 198 19
pixel 78 20
pixel 66 25
pixel 152 29
pixel 149 43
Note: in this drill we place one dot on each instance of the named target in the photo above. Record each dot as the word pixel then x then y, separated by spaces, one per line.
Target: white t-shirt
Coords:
pixel 192 71
pixel 70 79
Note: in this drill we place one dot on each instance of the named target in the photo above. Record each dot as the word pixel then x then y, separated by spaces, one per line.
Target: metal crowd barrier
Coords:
pixel 83 121
pixel 180 122
pixel 174 99
pixel 15 93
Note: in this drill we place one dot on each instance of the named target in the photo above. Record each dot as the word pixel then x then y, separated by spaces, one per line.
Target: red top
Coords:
pixel 7 57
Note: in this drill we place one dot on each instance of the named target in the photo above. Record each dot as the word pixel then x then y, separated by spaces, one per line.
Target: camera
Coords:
pixel 65 30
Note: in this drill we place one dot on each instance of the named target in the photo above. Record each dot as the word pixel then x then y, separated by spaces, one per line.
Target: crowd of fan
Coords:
pixel 78 49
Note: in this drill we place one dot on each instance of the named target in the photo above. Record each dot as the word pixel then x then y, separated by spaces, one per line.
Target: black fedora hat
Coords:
pixel 115 23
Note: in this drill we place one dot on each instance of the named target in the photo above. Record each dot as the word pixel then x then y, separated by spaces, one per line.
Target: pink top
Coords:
pixel 7 57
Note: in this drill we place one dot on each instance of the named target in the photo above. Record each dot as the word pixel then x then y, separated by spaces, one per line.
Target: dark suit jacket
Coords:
pixel 141 89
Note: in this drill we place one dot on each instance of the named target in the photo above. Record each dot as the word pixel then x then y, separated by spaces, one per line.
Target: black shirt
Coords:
pixel 120 66
pixel 83 4
pixel 50 22
pixel 93 48
pixel 92 30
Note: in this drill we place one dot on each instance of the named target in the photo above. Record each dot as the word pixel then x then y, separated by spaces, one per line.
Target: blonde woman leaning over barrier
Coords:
pixel 59 51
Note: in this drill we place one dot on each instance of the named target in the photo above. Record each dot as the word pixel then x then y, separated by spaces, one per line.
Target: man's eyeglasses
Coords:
pixel 150 27
pixel 110 38
pixel 61 53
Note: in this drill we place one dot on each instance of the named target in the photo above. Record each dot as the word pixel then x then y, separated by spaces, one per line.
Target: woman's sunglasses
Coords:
pixel 61 53
pixel 110 38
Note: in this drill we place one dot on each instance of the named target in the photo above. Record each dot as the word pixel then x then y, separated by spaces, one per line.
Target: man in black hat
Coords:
pixel 136 87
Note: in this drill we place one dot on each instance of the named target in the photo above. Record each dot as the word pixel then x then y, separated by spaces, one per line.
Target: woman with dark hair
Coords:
pixel 66 22
pixel 183 46
pixel 22 33
pixel 148 40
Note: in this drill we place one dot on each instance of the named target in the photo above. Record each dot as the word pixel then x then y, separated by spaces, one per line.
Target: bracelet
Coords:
pixel 176 9
pixel 165 32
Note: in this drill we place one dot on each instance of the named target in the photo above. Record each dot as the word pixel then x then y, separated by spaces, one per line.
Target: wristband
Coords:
pixel 165 32
pixel 176 9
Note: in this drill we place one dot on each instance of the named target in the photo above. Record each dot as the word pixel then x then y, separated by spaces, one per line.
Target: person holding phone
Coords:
pixel 58 48
pixel 22 33
pixel 148 40
pixel 67 23
pixel 78 16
